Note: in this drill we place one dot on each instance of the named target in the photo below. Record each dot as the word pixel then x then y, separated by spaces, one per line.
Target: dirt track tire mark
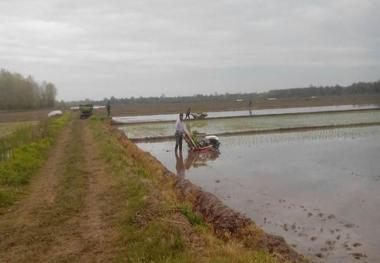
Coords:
pixel 91 233
pixel 69 214
pixel 43 187
pixel 98 215
pixel 18 226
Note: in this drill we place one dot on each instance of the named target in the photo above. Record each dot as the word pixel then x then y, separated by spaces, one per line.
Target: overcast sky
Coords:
pixel 95 49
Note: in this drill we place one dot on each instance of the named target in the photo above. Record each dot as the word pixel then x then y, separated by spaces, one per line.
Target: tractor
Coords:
pixel 86 110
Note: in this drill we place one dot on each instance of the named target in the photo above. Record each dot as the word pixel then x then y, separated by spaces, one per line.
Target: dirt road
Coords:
pixel 69 214
pixel 94 200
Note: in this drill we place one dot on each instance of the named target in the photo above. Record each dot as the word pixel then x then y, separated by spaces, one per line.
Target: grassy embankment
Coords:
pixel 154 224
pixel 27 148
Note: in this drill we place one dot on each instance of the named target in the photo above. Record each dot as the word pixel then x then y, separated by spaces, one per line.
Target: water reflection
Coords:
pixel 194 159
pixel 179 164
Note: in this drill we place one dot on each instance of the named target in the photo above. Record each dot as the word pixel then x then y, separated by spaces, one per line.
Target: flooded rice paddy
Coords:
pixel 255 123
pixel 318 189
pixel 173 117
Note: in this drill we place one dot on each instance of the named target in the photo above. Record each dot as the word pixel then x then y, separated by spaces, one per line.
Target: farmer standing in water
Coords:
pixel 250 107
pixel 180 130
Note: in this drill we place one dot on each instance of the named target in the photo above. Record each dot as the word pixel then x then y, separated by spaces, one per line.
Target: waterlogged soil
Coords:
pixel 256 112
pixel 255 123
pixel 317 189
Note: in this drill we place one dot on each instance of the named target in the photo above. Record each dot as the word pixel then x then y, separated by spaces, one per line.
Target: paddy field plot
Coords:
pixel 255 123
pixel 318 189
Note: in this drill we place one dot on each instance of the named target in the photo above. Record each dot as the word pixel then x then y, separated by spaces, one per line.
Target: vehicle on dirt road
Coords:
pixel 86 110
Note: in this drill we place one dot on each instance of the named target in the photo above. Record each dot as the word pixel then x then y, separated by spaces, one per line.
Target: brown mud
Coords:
pixel 226 222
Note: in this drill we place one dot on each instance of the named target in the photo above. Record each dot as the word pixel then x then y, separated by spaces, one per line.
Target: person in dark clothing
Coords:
pixel 108 108
pixel 188 113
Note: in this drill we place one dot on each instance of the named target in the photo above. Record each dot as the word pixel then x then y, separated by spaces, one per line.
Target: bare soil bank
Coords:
pixel 166 108
pixel 226 222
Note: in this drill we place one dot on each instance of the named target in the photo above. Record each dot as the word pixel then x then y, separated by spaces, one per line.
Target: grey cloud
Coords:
pixel 132 48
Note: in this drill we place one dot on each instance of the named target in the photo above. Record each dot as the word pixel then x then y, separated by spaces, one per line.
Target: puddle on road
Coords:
pixel 317 189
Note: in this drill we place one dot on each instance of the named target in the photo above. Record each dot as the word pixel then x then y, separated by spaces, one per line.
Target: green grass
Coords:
pixel 57 218
pixel 193 217
pixel 29 132
pixel 145 237
pixel 72 185
pixel 29 147
pixel 25 161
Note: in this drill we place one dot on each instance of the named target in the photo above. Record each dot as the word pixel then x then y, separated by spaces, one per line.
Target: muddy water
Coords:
pixel 173 117
pixel 318 189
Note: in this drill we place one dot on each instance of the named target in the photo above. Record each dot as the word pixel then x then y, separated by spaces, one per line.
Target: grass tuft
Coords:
pixel 193 217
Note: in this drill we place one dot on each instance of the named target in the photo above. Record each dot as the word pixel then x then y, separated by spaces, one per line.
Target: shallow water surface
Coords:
pixel 173 117
pixel 318 189
pixel 255 123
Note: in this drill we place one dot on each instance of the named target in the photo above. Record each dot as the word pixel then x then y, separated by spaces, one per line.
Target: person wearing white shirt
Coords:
pixel 180 130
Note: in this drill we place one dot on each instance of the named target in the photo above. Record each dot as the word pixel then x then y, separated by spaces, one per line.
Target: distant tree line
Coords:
pixel 356 89
pixel 360 88
pixel 18 92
